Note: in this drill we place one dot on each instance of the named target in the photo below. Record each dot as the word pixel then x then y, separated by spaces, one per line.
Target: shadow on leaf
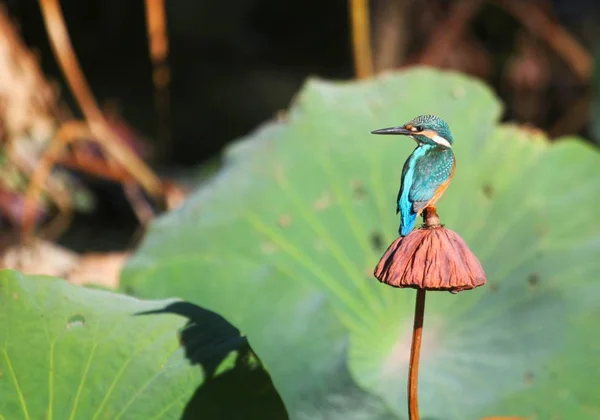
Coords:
pixel 242 391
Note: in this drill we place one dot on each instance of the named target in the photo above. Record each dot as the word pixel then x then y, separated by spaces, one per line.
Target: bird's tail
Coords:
pixel 407 223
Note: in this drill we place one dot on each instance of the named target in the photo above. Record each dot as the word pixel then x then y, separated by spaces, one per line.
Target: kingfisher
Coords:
pixel 428 170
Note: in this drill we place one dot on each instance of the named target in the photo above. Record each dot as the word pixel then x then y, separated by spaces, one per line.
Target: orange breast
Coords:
pixel 442 187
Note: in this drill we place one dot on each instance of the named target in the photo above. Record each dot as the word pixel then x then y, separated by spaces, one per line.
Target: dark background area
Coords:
pixel 234 64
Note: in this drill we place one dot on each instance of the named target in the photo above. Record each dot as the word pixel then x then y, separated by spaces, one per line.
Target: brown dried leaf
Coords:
pixel 431 259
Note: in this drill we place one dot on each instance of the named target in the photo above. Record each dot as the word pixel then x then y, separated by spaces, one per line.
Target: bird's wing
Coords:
pixel 404 171
pixel 431 171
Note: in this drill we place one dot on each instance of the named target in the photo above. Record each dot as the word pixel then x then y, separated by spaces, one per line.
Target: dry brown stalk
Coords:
pixel 143 210
pixel 158 40
pixel 449 32
pixel 392 33
pixel 361 38
pixel 100 129
pixel 415 355
pixel 68 132
pixel 559 39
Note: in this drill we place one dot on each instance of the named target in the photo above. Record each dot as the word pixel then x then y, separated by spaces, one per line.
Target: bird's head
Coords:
pixel 425 129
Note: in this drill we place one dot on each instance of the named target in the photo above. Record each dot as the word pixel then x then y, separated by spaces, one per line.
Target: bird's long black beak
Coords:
pixel 393 130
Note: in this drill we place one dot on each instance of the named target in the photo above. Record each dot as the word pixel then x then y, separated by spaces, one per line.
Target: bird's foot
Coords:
pixel 430 218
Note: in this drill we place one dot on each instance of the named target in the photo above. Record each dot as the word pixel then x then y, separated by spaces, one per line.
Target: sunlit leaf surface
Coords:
pixel 68 352
pixel 283 242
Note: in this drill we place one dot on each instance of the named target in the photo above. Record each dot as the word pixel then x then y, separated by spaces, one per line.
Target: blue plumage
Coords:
pixel 408 217
pixel 425 172
pixel 428 170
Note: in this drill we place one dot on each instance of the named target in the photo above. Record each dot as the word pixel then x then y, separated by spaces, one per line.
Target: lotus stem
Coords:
pixel 412 261
pixel 415 352
pixel 431 219
pixel 361 38
pixel 158 44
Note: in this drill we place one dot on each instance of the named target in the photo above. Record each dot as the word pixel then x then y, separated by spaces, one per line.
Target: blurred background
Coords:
pixel 112 108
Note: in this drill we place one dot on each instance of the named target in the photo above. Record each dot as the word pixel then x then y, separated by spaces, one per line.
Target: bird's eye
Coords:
pixel 417 128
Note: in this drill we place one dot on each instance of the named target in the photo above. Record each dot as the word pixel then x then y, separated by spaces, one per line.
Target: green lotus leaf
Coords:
pixel 68 352
pixel 283 241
